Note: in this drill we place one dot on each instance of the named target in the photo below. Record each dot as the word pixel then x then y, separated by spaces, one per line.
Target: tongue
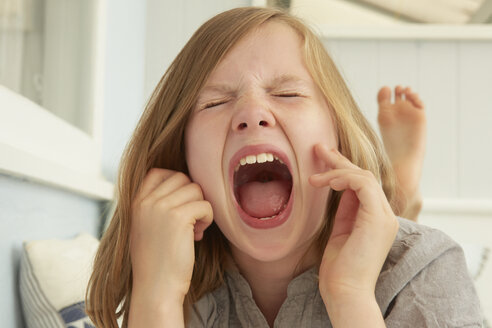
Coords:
pixel 264 199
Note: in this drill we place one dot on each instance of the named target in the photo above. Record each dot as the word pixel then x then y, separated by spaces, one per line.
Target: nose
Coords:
pixel 250 114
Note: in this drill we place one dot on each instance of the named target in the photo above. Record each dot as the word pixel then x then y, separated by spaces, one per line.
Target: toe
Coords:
pixel 415 100
pixel 398 92
pixel 384 96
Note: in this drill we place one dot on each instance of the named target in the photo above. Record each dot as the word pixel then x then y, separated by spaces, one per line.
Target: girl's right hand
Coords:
pixel 168 213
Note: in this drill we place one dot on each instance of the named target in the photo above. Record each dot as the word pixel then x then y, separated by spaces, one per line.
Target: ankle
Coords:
pixel 412 208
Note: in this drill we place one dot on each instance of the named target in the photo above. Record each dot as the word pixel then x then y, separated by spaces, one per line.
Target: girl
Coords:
pixel 253 148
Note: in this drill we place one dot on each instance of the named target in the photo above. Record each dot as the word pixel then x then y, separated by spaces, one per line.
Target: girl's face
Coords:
pixel 260 104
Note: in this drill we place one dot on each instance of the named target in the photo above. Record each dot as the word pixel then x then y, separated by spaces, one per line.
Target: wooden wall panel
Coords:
pixel 475 119
pixel 398 63
pixel 455 81
pixel 169 26
pixel 358 63
pixel 437 76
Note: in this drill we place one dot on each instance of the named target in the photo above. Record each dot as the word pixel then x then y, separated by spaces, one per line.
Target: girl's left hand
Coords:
pixel 363 231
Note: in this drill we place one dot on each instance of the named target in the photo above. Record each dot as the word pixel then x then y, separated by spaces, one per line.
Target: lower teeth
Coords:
pixel 273 216
pixel 267 218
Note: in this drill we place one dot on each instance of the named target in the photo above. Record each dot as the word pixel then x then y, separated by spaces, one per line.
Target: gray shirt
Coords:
pixel 424 282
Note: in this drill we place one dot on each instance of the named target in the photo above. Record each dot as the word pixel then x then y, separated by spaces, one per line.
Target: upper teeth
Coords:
pixel 260 158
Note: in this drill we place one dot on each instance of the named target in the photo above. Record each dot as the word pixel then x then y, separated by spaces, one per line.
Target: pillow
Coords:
pixel 476 256
pixel 53 279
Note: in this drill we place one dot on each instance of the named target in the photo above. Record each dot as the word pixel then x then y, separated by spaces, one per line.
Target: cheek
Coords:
pixel 203 155
pixel 312 130
pixel 322 129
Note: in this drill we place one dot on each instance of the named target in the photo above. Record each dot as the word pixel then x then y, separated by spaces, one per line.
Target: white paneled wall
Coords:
pixel 475 118
pixel 454 78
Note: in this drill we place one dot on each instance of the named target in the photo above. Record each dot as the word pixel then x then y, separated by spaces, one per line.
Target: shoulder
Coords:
pixel 414 248
pixel 419 244
pixel 425 277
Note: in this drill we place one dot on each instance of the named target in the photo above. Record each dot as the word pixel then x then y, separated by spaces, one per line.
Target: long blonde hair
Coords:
pixel 158 141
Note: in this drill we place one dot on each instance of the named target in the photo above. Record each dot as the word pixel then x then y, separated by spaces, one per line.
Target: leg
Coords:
pixel 402 125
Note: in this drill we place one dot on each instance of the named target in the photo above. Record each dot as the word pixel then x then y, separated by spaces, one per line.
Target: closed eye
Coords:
pixel 214 104
pixel 288 94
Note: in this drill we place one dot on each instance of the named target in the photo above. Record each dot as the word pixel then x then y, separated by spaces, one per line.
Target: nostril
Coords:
pixel 244 125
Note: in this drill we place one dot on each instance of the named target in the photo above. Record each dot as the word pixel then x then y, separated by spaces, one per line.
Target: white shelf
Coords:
pixel 21 164
pixel 407 32
pixel 37 145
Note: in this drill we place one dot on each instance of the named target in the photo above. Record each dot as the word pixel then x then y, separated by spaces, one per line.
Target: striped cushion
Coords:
pixel 53 278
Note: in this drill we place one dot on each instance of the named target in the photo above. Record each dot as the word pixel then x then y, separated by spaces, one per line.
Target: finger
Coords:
pixel 154 178
pixel 323 179
pixel 398 92
pixel 333 158
pixel 366 188
pixel 201 215
pixel 362 182
pixel 169 186
pixel 190 192
pixel 346 214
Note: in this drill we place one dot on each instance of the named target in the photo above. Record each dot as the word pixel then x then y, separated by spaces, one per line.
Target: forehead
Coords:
pixel 274 47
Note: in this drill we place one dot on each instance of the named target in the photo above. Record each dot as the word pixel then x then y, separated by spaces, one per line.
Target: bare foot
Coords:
pixel 403 129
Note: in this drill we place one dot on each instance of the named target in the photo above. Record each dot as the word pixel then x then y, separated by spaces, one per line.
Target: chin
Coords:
pixel 270 245
pixel 264 250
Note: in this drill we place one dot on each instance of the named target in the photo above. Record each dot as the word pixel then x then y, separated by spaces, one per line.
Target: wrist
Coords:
pixel 160 289
pixel 158 297
pixel 152 310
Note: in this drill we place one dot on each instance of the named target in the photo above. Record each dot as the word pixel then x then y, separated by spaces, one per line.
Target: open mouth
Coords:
pixel 262 186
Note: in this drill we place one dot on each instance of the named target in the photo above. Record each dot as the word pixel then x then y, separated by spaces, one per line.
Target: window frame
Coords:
pixel 38 146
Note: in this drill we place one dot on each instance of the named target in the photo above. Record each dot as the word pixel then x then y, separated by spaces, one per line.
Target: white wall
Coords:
pixel 124 78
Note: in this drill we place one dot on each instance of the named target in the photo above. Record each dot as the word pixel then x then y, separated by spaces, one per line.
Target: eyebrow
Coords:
pixel 277 81
pixel 284 79
pixel 222 88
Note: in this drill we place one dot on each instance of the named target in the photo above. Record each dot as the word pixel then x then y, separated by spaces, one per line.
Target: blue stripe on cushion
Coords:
pixel 73 312
pixel 86 325
pixel 42 314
